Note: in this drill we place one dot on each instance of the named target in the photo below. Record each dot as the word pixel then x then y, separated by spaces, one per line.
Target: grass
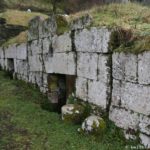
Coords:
pixel 25 125
pixel 131 17
pixel 16 17
pixel 38 4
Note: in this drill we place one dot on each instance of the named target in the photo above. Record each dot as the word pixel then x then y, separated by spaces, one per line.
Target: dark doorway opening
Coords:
pixel 60 87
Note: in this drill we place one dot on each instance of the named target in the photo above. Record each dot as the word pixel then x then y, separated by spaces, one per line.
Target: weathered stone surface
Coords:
pixel 35 63
pixel 1 53
pixel 21 51
pixel 2 63
pixel 32 77
pixel 98 93
pixel 62 43
pixel 49 27
pixel 104 68
pixel 93 125
pixel 72 113
pixel 21 67
pixel 39 79
pixel 45 79
pixel 48 63
pixel 81 88
pixel 87 65
pixel 136 97
pixel 33 32
pixel 93 40
pixel 144 124
pixel 63 63
pixel 116 93
pixel 144 68
pixel 46 45
pixel 125 67
pixel 10 51
pixel 145 140
pixel 81 22
pixel 124 119
pixel 131 68
pixel 35 48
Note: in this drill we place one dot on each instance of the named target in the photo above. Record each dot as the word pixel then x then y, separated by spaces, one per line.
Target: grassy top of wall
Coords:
pixel 133 19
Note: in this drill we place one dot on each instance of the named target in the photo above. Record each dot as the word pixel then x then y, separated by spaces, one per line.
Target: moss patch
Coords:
pixel 21 38
pixel 62 24
pixel 76 115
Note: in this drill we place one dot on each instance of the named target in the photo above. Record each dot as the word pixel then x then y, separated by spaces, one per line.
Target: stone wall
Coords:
pixel 116 82
pixel 130 105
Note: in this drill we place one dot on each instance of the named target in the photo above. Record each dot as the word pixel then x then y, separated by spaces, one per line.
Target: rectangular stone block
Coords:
pixel 21 51
pixel 35 47
pixel 62 63
pixel 35 63
pixel 125 67
pixel 21 67
pixel 98 93
pixel 62 43
pixel 124 119
pixel 81 88
pixel 10 51
pixel 93 40
pixel 136 97
pixel 144 68
pixel 87 65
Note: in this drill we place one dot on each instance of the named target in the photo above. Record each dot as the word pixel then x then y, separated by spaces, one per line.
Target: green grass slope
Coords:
pixel 25 125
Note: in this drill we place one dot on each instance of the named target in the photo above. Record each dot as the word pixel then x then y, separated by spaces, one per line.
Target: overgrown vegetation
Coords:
pixel 130 21
pixel 25 125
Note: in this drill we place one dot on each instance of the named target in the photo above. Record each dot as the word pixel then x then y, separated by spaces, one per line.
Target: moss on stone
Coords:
pixel 76 116
pixel 99 130
pixel 62 24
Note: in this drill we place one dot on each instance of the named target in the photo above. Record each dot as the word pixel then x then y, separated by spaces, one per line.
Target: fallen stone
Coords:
pixel 93 125
pixel 72 113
